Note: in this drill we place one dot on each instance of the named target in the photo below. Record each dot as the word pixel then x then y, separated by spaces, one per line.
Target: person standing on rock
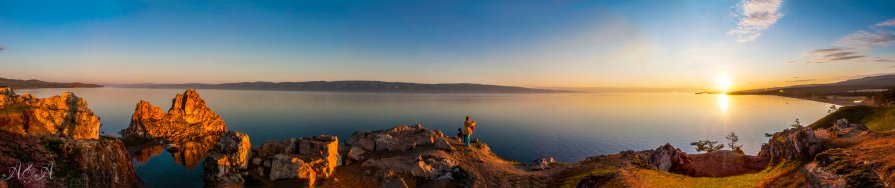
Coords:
pixel 470 126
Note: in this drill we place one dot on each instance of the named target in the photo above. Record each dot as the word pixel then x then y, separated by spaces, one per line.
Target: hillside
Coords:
pixel 871 82
pixel 353 86
pixel 19 84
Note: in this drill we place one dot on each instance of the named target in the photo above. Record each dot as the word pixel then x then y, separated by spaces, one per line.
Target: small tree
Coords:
pixel 707 145
pixel 797 124
pixel 832 109
pixel 733 138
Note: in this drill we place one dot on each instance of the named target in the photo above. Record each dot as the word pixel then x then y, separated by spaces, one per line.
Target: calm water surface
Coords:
pixel 520 127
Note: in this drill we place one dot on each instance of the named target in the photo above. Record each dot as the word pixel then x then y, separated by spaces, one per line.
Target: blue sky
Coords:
pixel 527 43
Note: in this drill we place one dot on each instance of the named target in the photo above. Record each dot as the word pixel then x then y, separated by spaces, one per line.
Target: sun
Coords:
pixel 723 83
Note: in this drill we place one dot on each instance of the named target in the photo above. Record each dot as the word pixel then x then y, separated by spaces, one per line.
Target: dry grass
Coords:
pixel 636 177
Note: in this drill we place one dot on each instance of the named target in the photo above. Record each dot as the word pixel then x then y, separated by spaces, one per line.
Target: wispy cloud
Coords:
pixel 887 23
pixel 851 48
pixel 756 16
pixel 802 80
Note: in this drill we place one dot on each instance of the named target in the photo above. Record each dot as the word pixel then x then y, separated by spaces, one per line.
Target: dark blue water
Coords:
pixel 519 127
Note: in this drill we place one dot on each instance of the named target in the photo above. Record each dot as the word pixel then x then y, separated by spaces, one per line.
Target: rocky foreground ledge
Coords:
pixel 55 142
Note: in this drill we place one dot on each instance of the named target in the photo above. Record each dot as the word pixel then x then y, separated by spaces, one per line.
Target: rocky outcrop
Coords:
pixel 228 161
pixel 65 162
pixel 65 115
pixel 426 166
pixel 542 163
pixel 665 158
pixel 797 143
pixel 309 159
pixel 842 128
pixel 188 118
pixel 396 139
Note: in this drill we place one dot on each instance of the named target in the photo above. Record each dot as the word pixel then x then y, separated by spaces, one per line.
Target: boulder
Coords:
pixel 664 158
pixel 842 128
pixel 287 166
pixel 219 172
pixel 236 146
pixel 542 163
pixel 105 163
pixel 390 179
pixel 819 176
pixel 427 166
pixel 791 144
pixel 65 115
pixel 396 139
pixel 443 144
pixel 356 153
pixel 187 118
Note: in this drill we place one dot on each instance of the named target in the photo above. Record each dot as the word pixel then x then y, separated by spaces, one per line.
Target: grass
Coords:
pixel 573 180
pixel 654 178
pixel 877 119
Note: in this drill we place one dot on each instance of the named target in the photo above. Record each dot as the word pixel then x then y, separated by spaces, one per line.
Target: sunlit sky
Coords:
pixel 686 44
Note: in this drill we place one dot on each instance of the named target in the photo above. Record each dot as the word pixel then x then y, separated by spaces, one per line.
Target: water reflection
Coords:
pixel 723 102
pixel 186 153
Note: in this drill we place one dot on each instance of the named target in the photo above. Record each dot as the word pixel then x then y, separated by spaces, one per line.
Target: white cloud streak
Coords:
pixel 851 48
pixel 756 16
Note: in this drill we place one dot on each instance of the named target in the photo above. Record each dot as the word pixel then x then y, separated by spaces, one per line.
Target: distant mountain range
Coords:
pixel 353 86
pixel 18 84
pixel 870 82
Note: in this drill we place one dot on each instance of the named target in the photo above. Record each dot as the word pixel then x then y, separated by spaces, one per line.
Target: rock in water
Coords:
pixel 188 118
pixel 63 115
pixel 226 162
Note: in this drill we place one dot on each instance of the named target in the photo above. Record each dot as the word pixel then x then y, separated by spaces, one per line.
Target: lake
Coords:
pixel 522 127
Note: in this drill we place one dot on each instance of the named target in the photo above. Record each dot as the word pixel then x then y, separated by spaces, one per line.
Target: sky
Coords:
pixel 551 43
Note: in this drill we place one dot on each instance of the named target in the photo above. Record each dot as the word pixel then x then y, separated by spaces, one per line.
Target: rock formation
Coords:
pixel 225 164
pixel 63 115
pixel 188 118
pixel 55 142
pixel 542 163
pixel 665 158
pixel 797 143
pixel 397 139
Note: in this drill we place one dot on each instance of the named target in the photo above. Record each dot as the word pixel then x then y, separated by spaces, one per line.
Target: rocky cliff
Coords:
pixel 188 118
pixel 55 142
pixel 799 143
pixel 65 115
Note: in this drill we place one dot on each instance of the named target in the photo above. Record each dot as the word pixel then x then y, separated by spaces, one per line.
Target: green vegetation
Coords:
pixel 602 171
pixel 877 119
pixel 856 174
pixel 654 178
pixel 707 145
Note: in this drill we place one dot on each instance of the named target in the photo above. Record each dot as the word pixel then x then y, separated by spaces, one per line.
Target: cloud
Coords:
pixel 887 23
pixel 757 16
pixel 802 80
pixel 852 47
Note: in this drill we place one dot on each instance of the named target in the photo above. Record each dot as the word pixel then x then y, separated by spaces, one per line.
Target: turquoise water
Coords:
pixel 519 127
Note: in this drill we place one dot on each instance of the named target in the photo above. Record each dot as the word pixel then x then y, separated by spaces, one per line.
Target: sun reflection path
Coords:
pixel 723 102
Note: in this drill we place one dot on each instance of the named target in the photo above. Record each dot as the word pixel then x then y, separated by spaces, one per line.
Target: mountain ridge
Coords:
pixel 352 86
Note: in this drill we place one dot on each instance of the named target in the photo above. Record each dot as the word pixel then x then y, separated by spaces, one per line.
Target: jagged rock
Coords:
pixel 821 177
pixel 542 163
pixel 842 128
pixel 427 166
pixel 236 146
pixel 665 158
pixel 319 153
pixel 104 162
pixel 226 162
pixel 397 139
pixel 187 118
pixel 219 171
pixel 390 179
pixel 286 166
pixel 356 153
pixel 791 144
pixel 65 115
pixel 442 144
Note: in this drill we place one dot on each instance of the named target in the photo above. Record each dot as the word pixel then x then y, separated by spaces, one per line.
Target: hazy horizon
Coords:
pixel 722 45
